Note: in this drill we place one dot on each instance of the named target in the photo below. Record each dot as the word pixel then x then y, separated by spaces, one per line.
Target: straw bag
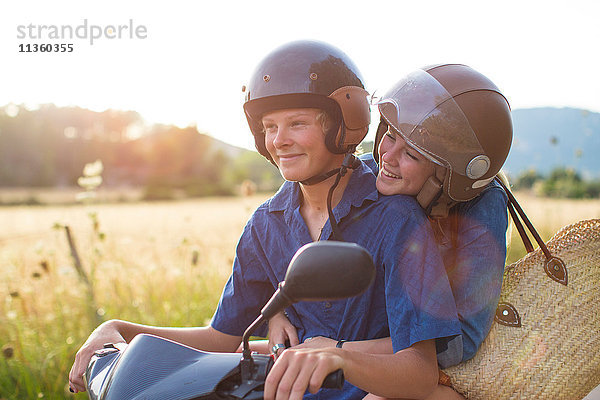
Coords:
pixel 545 342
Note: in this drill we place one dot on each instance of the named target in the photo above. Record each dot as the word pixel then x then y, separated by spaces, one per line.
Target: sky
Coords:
pixel 185 62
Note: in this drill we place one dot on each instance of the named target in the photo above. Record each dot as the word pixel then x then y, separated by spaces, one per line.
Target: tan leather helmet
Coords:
pixel 457 118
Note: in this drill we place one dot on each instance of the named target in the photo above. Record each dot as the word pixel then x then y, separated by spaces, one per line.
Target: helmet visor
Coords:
pixel 421 110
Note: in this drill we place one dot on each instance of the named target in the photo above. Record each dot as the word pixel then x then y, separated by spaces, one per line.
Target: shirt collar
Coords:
pixel 360 188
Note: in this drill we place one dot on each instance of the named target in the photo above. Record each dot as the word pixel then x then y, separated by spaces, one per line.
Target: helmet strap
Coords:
pixel 432 198
pixel 441 207
pixel 429 193
pixel 350 162
pixel 320 178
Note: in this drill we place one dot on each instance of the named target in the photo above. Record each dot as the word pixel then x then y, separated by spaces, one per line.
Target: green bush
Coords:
pixel 566 182
pixel 527 179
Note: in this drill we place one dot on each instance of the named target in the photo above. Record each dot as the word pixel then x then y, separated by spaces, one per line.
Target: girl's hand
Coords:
pixel 281 331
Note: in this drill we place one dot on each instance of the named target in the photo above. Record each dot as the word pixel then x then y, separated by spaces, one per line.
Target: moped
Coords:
pixel 151 367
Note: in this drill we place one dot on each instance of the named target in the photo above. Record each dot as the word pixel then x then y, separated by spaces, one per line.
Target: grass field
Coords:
pixel 155 263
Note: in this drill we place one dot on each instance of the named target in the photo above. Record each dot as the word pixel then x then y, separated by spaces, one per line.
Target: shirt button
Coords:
pixel 327 304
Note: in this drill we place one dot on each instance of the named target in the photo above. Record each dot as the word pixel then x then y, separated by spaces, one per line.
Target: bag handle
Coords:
pixel 506 313
pixel 555 268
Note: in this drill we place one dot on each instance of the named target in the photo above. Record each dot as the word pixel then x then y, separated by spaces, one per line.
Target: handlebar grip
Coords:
pixel 334 380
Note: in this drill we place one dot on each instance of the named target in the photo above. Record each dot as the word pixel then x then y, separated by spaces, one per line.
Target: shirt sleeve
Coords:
pixel 478 268
pixel 419 299
pixel 247 289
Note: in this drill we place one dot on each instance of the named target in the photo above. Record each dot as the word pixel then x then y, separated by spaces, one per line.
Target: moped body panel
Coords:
pixel 155 368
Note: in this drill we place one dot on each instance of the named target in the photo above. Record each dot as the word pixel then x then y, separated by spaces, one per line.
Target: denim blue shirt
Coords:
pixel 410 300
pixel 474 263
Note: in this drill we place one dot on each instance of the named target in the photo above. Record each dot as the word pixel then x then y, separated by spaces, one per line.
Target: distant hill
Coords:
pixel 545 138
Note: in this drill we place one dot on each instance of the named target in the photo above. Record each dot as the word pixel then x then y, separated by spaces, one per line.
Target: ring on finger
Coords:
pixel 276 348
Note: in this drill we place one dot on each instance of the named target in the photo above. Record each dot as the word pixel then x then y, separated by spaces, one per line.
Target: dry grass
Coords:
pixel 159 263
pixel 548 216
pixel 556 213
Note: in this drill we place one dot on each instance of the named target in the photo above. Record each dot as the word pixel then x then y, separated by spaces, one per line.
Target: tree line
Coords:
pixel 560 182
pixel 49 146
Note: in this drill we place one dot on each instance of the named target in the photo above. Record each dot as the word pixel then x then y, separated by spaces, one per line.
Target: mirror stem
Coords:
pixel 246 352
pixel 278 302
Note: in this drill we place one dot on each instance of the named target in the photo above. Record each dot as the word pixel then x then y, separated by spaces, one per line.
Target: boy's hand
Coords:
pixel 105 333
pixel 297 370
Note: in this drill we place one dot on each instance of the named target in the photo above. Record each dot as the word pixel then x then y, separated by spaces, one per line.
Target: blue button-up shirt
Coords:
pixel 410 300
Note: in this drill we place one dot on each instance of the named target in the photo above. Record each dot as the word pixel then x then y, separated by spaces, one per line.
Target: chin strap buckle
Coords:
pixel 350 162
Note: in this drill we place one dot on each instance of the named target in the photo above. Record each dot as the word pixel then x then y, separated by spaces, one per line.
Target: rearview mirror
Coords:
pixel 328 270
pixel 323 270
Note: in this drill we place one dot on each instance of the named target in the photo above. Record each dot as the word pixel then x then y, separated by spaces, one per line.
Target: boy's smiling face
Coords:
pixel 295 140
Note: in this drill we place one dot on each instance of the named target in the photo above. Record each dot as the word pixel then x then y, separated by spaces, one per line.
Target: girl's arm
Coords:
pixel 441 392
pixel 281 331
pixel 372 346
pixel 409 373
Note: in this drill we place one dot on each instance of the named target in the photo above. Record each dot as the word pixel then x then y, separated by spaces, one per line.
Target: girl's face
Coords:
pixel 295 140
pixel 402 169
